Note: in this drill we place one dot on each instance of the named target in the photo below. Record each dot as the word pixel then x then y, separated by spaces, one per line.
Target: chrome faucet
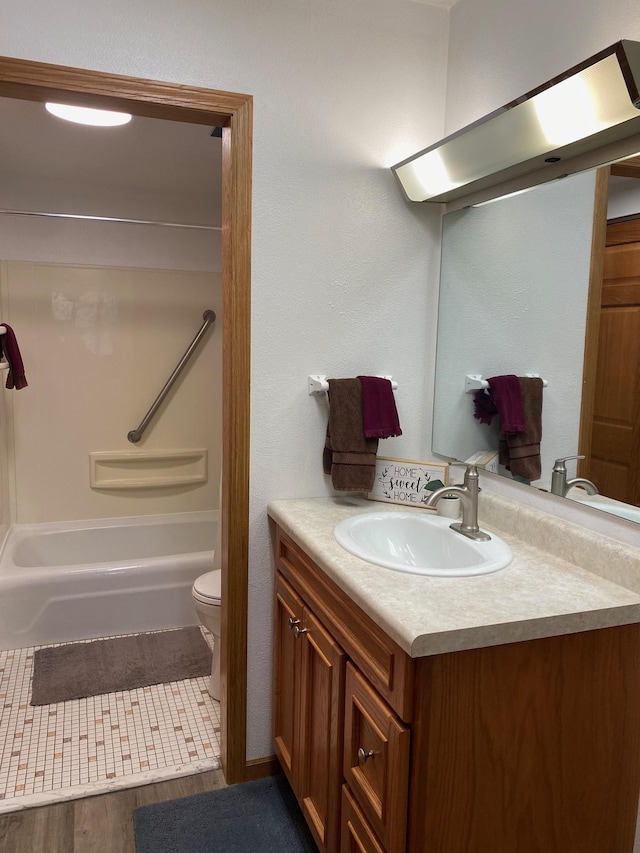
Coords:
pixel 468 494
pixel 559 483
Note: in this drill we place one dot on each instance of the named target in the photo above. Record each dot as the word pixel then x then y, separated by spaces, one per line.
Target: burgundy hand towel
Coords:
pixel 507 396
pixel 348 456
pixel 379 413
pixel 484 406
pixel 9 349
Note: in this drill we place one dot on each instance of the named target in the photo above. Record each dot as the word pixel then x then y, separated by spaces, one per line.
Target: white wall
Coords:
pixel 499 50
pixel 26 238
pixel 344 271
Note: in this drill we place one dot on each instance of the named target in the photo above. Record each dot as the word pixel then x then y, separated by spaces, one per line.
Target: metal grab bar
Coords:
pixel 135 435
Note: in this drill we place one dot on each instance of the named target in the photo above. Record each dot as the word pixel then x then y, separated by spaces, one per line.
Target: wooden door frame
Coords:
pixel 592 329
pixel 36 81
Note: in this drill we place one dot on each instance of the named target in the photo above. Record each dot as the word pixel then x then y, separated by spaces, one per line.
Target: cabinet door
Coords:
pixel 321 719
pixel 289 614
pixel 376 761
pixel 357 836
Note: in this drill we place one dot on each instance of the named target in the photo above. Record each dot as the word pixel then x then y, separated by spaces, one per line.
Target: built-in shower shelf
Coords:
pixel 149 469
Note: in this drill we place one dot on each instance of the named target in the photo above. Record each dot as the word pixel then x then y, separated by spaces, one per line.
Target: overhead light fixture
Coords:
pixel 594 104
pixel 90 116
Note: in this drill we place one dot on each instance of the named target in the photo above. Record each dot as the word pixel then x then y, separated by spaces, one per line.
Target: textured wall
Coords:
pixel 499 50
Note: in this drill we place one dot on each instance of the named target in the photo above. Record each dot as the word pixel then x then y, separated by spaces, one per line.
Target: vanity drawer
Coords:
pixel 385 664
pixel 356 835
pixel 376 761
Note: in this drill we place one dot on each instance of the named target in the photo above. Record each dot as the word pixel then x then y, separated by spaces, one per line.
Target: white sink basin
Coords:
pixel 421 543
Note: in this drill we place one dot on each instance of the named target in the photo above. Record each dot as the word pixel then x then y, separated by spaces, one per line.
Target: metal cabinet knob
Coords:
pixel 297 631
pixel 363 756
pixel 293 622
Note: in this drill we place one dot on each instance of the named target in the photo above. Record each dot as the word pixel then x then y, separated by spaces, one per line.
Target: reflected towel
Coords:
pixel 9 349
pixel 507 395
pixel 348 456
pixel 521 453
pixel 379 413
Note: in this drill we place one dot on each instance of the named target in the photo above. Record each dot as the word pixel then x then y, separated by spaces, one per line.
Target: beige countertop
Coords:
pixel 563 578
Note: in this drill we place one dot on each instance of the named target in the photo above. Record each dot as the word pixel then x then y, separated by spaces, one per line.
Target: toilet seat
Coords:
pixel 208 588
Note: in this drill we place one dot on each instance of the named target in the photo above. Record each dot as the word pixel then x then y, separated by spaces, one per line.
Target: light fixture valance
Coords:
pixel 594 104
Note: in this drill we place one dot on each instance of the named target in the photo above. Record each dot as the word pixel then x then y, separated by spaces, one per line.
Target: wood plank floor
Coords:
pixel 102 824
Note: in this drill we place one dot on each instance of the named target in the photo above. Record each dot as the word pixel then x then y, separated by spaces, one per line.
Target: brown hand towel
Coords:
pixel 521 452
pixel 348 456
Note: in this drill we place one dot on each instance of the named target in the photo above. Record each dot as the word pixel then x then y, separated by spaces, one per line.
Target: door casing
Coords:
pixel 36 81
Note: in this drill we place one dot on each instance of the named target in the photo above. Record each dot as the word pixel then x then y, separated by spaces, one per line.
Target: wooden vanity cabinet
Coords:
pixel 527 747
pixel 330 721
pixel 310 671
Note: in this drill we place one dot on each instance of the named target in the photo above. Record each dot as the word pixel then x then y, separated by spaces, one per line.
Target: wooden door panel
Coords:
pixel 612 478
pixel 619 345
pixel 614 464
pixel 376 761
pixel 611 442
pixel 357 836
pixel 620 262
pixel 321 732
pixel 623 232
pixel 289 610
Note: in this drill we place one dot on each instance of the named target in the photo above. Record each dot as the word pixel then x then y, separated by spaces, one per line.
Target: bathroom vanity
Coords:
pixel 494 714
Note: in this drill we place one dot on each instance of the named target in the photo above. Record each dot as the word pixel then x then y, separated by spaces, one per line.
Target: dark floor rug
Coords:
pixel 255 817
pixel 76 670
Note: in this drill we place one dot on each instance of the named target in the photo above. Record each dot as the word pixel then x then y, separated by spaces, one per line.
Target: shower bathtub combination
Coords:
pixel 78 580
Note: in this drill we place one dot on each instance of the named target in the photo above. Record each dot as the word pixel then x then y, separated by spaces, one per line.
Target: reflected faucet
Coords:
pixel 468 494
pixel 559 483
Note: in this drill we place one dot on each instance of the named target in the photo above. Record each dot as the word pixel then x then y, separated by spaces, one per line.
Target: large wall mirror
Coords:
pixel 528 287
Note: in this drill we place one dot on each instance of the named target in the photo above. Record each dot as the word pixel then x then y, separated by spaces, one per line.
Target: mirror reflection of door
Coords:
pixel 613 462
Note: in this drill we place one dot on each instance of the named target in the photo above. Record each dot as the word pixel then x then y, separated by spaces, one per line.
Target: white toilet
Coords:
pixel 207 596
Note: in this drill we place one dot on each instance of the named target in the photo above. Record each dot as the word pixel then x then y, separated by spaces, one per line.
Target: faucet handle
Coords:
pixel 471 470
pixel 559 465
pixel 467 465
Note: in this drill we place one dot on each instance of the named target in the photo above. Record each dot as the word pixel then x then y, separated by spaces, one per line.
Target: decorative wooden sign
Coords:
pixel 401 481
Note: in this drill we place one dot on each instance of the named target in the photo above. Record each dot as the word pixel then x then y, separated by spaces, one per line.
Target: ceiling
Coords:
pixel 147 158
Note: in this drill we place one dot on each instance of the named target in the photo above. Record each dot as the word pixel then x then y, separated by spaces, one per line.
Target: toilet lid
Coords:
pixel 209 586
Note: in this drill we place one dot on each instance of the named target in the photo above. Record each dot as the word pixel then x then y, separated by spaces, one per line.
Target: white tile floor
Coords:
pixel 85 746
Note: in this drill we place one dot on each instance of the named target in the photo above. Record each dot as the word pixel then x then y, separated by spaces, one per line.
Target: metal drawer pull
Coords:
pixel 363 756
pixel 293 622
pixel 297 631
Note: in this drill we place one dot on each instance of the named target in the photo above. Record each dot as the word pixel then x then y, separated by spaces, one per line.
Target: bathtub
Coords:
pixel 83 579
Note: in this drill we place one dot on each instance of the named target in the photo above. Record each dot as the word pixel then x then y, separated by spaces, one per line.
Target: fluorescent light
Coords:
pixel 86 115
pixel 430 173
pixel 567 112
pixel 593 104
pixel 501 197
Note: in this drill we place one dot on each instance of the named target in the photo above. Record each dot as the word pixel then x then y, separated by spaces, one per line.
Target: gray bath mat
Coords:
pixel 76 670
